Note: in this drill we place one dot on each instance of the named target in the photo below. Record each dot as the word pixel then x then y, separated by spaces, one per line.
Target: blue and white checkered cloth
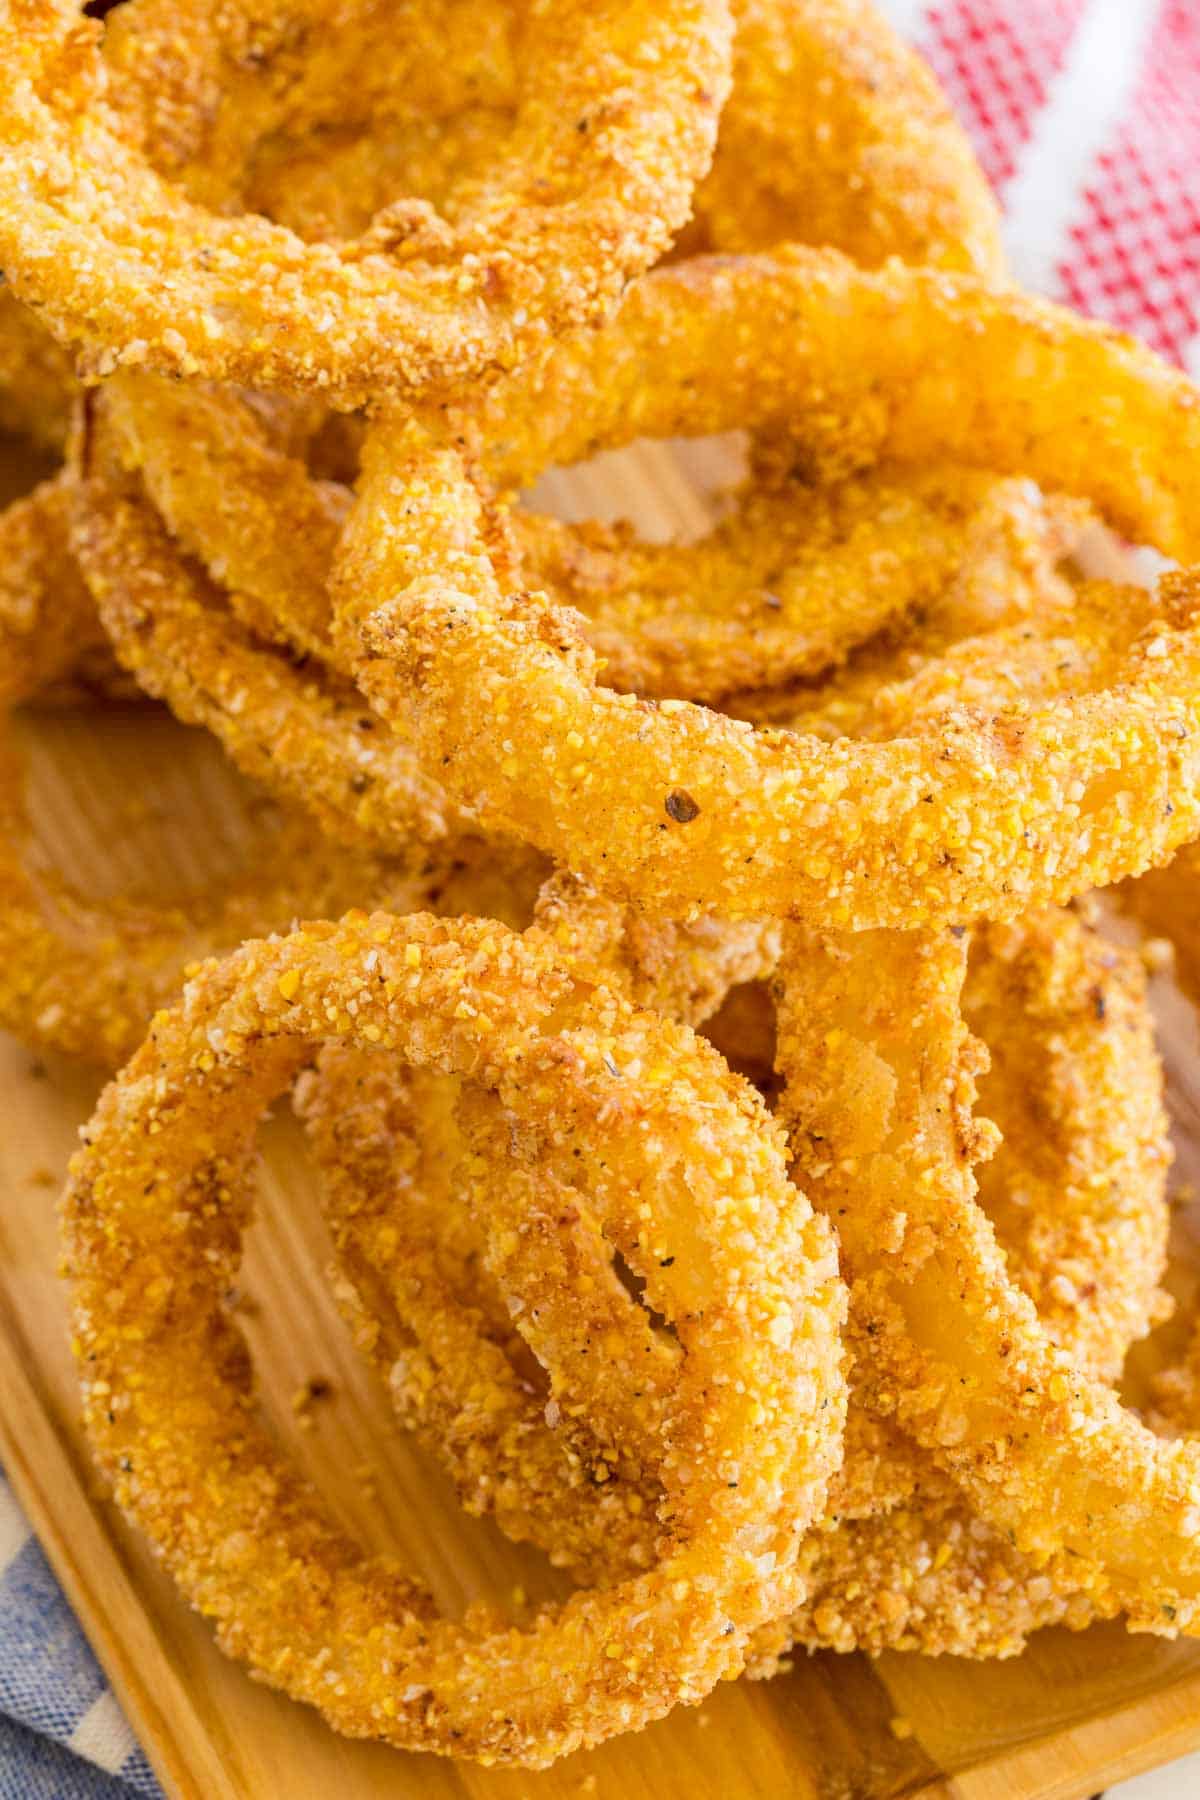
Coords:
pixel 62 1734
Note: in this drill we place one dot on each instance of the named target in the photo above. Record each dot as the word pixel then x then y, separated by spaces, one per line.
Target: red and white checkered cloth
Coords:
pixel 1086 117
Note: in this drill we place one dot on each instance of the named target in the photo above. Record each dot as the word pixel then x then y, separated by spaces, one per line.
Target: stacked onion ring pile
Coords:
pixel 743 1147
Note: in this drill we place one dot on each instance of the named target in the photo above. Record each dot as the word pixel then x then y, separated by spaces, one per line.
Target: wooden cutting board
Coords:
pixel 125 796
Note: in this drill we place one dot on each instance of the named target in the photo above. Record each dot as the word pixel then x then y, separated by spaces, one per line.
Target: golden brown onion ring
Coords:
pixel 814 572
pixel 153 1220
pixel 615 121
pixel 879 1099
pixel 680 808
pixel 287 720
pixel 836 133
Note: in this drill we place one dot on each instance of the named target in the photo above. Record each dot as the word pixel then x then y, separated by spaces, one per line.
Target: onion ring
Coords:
pixel 879 1070
pixel 836 133
pixel 753 1429
pixel 1076 1196
pixel 428 1305
pixel 615 123
pixel 680 808
pixel 238 502
pixel 1085 1143
pixel 290 723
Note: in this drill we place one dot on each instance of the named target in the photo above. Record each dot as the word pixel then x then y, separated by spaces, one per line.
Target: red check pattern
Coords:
pixel 996 60
pixel 1130 245
pixel 1134 257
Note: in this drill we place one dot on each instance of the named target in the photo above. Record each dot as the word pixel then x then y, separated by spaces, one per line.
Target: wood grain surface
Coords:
pixel 124 797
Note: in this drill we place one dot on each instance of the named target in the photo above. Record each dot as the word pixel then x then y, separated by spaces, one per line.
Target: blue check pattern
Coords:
pixel 62 1734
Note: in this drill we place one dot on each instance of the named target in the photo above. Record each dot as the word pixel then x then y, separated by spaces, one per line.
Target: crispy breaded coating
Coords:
pixel 592 1097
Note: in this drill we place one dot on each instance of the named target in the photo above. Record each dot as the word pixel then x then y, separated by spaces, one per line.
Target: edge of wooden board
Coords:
pixel 1147 1734
pixel 89 1567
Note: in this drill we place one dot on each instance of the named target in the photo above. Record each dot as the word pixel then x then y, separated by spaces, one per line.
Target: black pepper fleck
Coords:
pixel 681 807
